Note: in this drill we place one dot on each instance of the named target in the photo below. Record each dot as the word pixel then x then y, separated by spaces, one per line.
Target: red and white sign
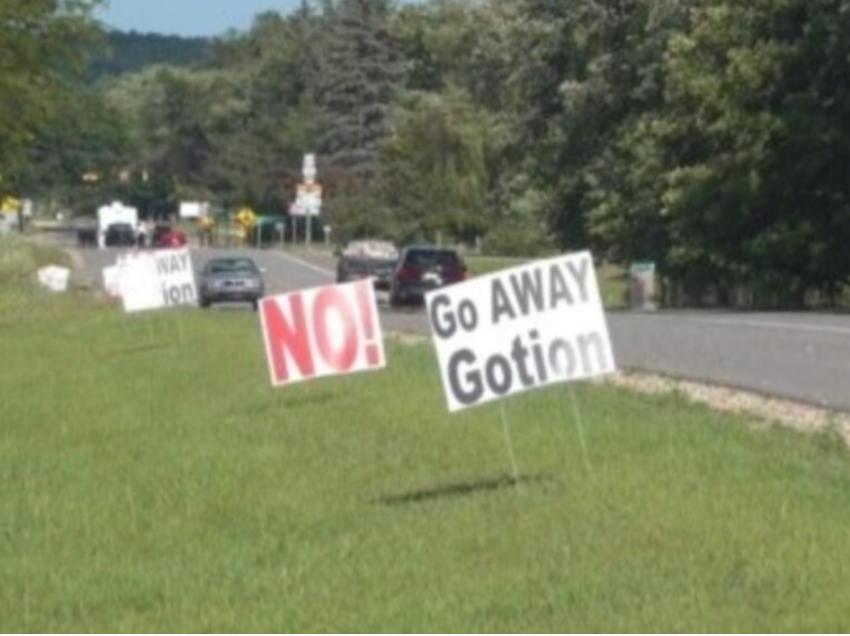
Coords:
pixel 322 332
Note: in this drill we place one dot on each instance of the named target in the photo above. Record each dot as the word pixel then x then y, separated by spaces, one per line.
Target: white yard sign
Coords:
pixel 520 329
pixel 193 209
pixel 54 278
pixel 112 281
pixel 156 280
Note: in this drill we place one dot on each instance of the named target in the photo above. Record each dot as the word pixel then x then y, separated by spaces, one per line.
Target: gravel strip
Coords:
pixel 768 410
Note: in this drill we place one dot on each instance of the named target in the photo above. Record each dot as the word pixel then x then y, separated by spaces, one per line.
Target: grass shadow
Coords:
pixel 463 489
pixel 131 351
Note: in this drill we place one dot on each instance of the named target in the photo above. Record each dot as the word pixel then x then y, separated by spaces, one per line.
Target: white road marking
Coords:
pixel 319 270
pixel 761 324
pixel 778 326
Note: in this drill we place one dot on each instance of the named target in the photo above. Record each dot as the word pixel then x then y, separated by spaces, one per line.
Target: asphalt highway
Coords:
pixel 800 356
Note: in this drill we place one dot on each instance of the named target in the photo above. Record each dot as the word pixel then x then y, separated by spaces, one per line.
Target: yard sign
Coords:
pixel 322 332
pixel 156 280
pixel 520 329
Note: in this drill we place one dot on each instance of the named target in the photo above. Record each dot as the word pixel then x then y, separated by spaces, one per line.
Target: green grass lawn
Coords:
pixel 154 484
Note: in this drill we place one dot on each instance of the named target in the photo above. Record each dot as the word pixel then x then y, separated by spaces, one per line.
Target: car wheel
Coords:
pixel 255 304
pixel 204 303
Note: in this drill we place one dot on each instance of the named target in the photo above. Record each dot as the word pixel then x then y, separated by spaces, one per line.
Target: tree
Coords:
pixel 435 175
pixel 169 110
pixel 707 135
pixel 83 136
pixel 266 121
pixel 133 52
pixel 361 80
pixel 44 48
pixel 236 130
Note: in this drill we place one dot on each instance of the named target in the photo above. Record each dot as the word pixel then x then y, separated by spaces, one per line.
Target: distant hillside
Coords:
pixel 130 52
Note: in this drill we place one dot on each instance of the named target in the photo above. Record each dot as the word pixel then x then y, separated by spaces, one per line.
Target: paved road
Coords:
pixel 805 357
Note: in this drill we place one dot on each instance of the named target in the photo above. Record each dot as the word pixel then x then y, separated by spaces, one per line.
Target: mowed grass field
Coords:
pixel 153 483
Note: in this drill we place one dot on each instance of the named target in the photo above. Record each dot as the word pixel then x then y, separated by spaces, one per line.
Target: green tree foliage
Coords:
pixel 168 109
pixel 44 45
pixel 236 130
pixel 710 136
pixel 435 177
pixel 360 82
pixel 133 52
pixel 706 135
pixel 265 120
pixel 361 79
pixel 461 63
pixel 83 136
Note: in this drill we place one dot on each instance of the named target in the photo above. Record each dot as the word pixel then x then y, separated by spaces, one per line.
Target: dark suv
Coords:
pixel 120 235
pixel 423 268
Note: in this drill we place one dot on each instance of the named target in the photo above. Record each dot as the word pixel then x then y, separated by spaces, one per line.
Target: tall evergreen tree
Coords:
pixel 361 81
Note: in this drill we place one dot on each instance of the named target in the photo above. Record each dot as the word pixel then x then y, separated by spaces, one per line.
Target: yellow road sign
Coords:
pixel 9 205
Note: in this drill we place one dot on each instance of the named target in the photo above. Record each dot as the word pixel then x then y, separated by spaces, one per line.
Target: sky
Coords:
pixel 187 17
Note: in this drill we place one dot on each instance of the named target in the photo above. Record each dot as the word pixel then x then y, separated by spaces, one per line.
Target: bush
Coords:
pixel 514 238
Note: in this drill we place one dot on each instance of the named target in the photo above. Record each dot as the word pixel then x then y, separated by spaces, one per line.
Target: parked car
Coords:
pixel 236 279
pixel 423 268
pixel 120 235
pixel 86 230
pixel 166 236
pixel 367 259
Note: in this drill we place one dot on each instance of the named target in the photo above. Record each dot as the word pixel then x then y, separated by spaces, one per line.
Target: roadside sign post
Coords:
pixel 308 198
pixel 309 169
pixel 642 295
pixel 511 454
pixel 518 330
pixel 308 203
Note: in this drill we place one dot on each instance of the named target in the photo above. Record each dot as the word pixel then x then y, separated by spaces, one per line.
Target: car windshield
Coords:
pixel 432 258
pixel 371 249
pixel 232 266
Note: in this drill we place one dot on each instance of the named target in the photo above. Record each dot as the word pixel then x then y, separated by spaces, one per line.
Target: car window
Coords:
pixel 432 258
pixel 370 249
pixel 235 266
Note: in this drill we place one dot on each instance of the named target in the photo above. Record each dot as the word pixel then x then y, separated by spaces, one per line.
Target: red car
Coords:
pixel 423 268
pixel 168 237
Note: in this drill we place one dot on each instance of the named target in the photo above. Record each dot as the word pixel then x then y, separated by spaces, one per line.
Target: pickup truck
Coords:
pixel 367 259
